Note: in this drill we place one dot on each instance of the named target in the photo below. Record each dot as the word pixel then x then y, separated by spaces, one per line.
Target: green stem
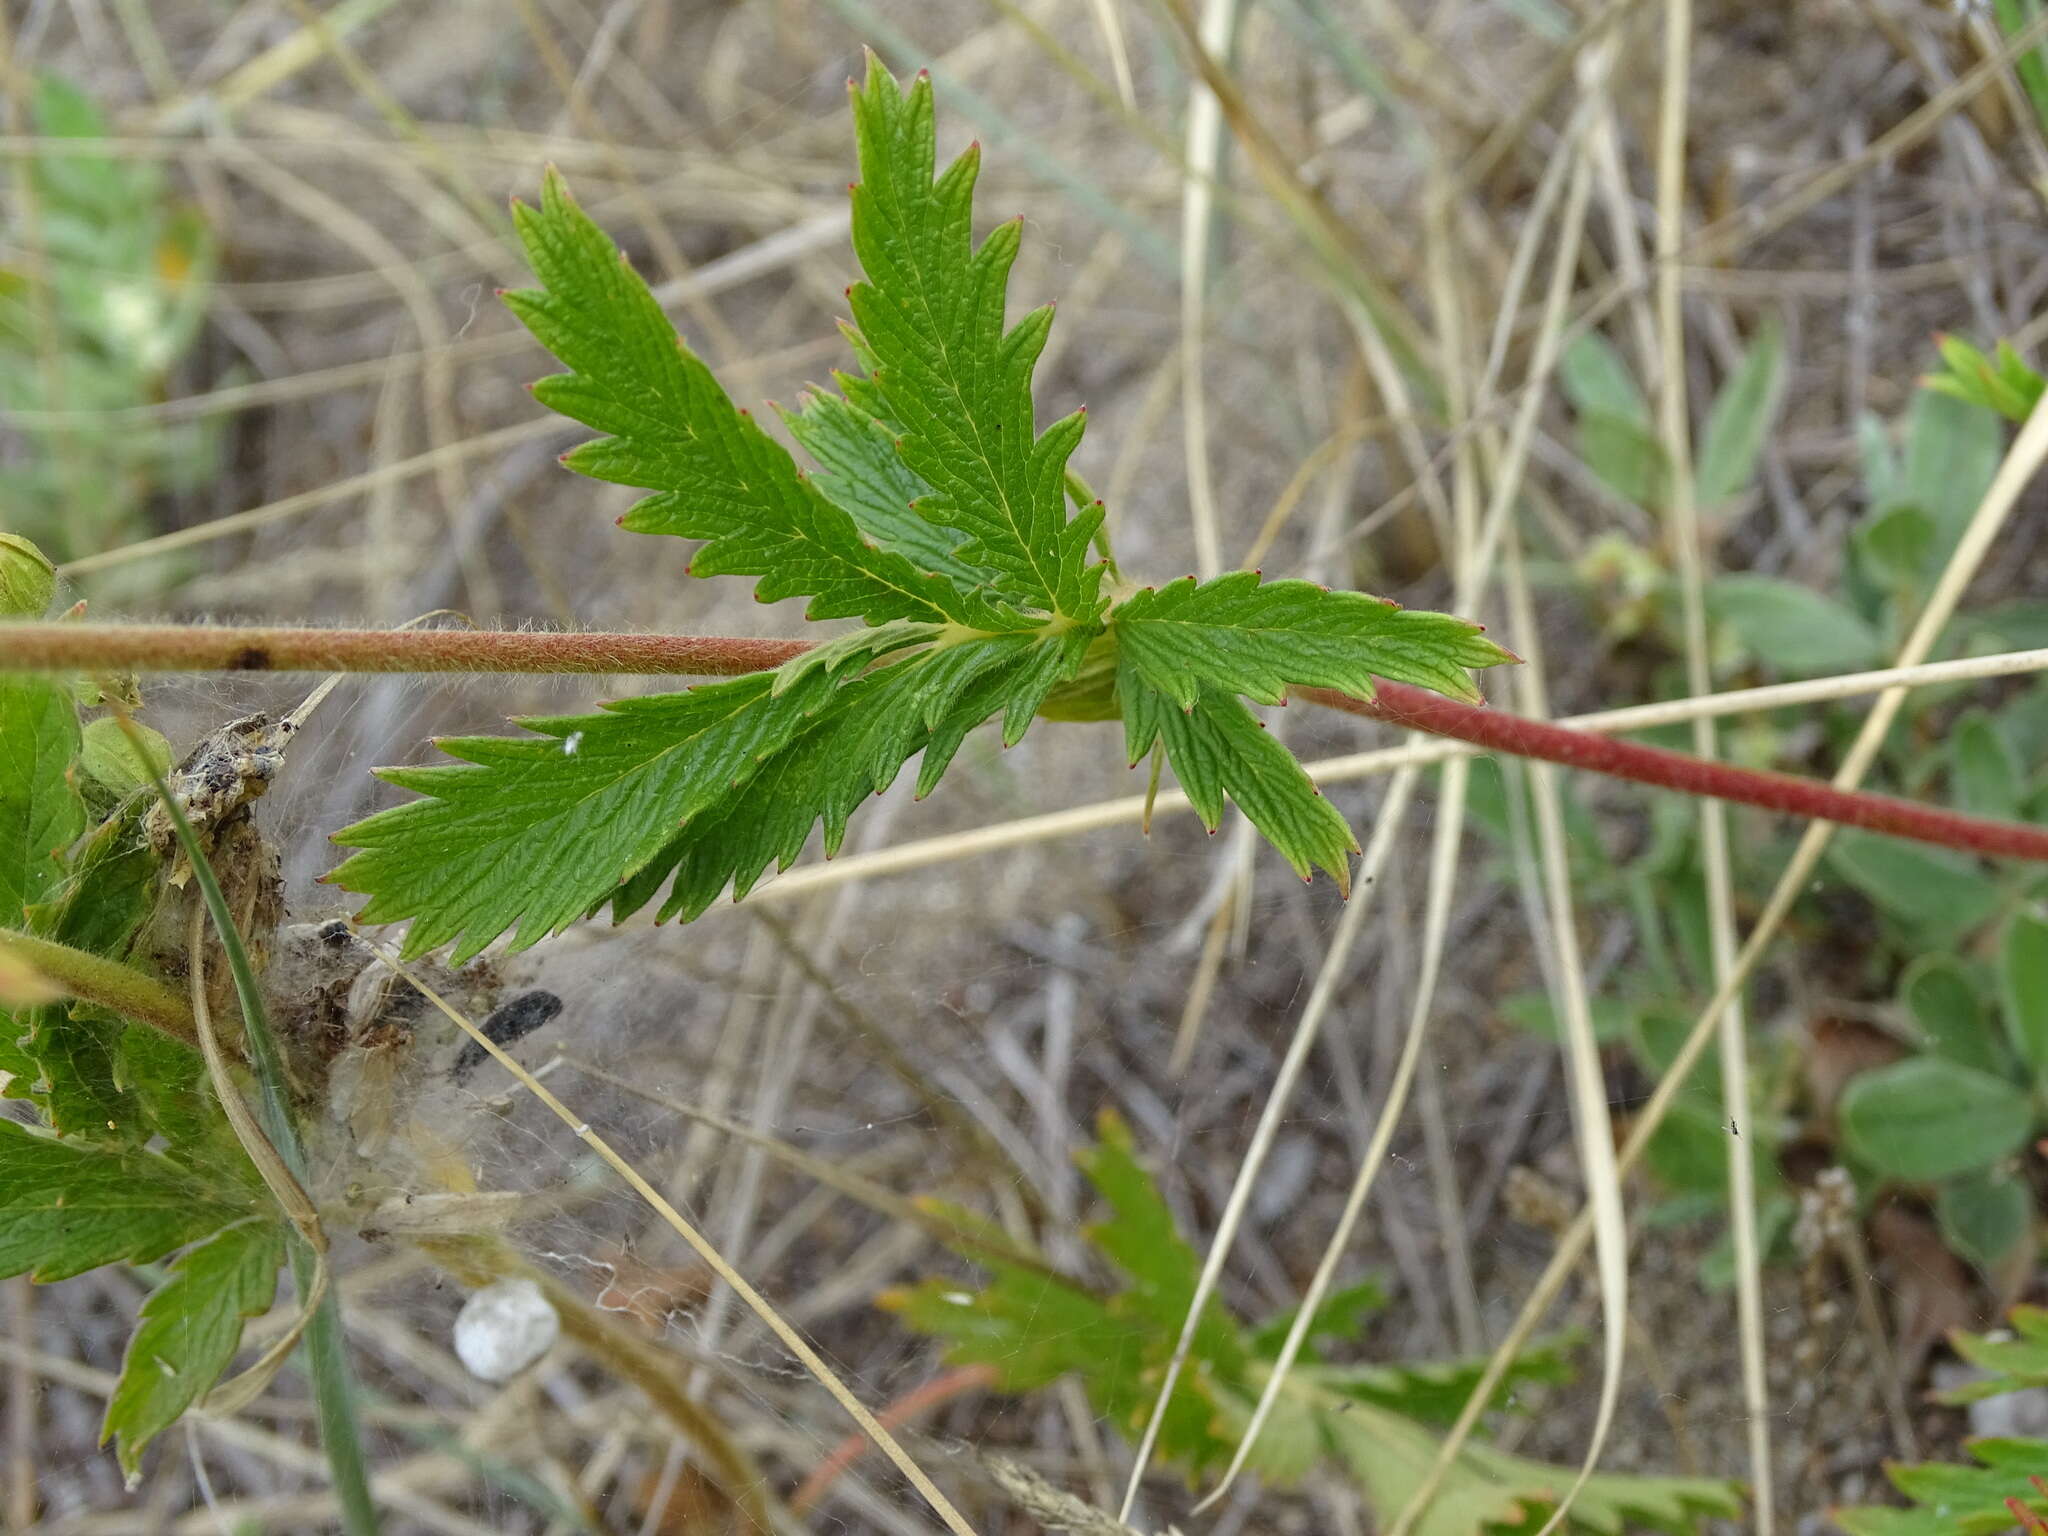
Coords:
pixel 334 1400
pixel 112 985
pixel 326 1358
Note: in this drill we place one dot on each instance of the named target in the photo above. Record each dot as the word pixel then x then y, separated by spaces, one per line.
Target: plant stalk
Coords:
pixel 110 984
pixel 43 647
pixel 201 648
pixel 1786 793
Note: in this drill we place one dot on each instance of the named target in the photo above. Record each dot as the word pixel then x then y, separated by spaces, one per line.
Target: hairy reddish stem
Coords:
pixel 1419 710
pixel 199 648
pixel 942 1388
pixel 212 648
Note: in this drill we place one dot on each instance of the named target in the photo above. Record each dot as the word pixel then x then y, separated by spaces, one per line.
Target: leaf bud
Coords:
pixel 27 579
pixel 108 757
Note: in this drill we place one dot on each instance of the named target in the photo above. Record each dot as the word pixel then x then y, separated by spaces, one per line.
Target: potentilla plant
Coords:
pixel 939 516
pixel 936 513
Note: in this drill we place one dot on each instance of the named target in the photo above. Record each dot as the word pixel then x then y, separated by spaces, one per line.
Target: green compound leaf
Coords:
pixel 1243 635
pixel 65 1208
pixel 937 514
pixel 1034 1327
pixel 1952 1500
pixel 708 786
pixel 717 476
pixel 189 1329
pixel 1217 748
pixel 1490 1490
pixel 953 380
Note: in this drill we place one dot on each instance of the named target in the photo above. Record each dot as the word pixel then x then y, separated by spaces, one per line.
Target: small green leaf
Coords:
pixel 1984 1217
pixel 1217 748
pixel 2023 986
pixel 1740 419
pixel 1895 547
pixel 1533 1011
pixel 1490 1490
pixel 717 476
pixel 1987 772
pixel 849 748
pixel 1689 1152
pixel 1435 1391
pixel 2010 1363
pixel 1342 1315
pixel 40 812
pixel 1792 629
pixel 28 581
pixel 1925 1119
pixel 2003 382
pixel 66 1208
pixel 1595 379
pixel 1883 478
pixel 189 1329
pixel 930 318
pixel 1943 894
pixel 861 472
pixel 1627 456
pixel 1140 1239
pixel 1942 999
pixel 1957 1500
pixel 706 786
pixel 576 809
pixel 1242 635
pixel 1952 451
pixel 107 757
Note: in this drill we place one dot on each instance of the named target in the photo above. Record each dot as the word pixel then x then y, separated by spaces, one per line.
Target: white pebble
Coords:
pixel 504 1328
